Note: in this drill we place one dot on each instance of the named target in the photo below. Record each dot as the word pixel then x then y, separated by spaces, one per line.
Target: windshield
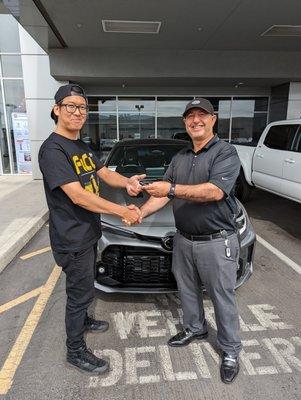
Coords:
pixel 150 159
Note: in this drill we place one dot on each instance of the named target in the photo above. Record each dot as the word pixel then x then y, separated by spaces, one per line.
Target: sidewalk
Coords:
pixel 23 211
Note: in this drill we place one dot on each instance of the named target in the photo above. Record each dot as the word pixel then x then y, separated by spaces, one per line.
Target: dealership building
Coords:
pixel 140 62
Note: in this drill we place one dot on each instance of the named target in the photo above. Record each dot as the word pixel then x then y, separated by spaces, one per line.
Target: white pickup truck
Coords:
pixel 274 164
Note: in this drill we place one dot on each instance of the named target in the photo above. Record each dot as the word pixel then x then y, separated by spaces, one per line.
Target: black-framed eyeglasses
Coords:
pixel 71 108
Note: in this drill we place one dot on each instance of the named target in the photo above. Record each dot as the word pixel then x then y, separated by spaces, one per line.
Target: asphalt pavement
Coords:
pixel 32 353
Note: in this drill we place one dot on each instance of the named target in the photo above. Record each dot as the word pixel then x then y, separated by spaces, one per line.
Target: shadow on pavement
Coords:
pixel 284 213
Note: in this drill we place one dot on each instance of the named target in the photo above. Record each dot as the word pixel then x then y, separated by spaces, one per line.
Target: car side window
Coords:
pixel 297 142
pixel 280 137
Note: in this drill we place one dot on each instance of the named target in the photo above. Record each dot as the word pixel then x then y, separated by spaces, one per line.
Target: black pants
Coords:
pixel 79 268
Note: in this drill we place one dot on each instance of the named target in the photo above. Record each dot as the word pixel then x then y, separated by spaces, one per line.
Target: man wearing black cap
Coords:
pixel 200 180
pixel 71 175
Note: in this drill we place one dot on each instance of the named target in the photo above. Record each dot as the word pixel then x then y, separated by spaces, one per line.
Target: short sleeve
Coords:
pixel 168 176
pixel 225 169
pixel 98 164
pixel 56 168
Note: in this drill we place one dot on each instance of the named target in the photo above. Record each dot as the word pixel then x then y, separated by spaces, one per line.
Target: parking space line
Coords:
pixel 35 253
pixel 14 358
pixel 20 299
pixel 296 267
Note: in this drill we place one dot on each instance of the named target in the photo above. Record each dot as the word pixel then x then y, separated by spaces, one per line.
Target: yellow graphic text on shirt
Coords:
pixel 86 171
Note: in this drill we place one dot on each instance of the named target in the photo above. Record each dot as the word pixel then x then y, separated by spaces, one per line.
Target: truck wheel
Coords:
pixel 243 190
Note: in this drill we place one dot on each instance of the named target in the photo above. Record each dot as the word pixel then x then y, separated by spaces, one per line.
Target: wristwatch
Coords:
pixel 171 193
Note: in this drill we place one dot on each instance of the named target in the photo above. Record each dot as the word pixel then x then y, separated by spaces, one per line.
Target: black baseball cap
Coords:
pixel 68 90
pixel 201 103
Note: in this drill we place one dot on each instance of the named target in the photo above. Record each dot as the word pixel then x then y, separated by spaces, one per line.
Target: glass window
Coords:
pixel 280 137
pixel 136 125
pixel 11 66
pixel 170 121
pixel 17 123
pixel 9 34
pixel 150 159
pixel 3 140
pixel 297 142
pixel 102 104
pixel 14 95
pixel 259 124
pixel 242 121
pixel 247 124
pixel 136 117
pixel 260 103
pixel 100 132
pixel 222 110
pixel 216 102
pixel 132 104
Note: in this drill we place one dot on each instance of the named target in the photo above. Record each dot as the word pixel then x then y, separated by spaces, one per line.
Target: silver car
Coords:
pixel 138 258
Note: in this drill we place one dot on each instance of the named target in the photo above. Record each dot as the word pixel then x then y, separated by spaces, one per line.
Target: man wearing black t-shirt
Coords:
pixel 71 175
pixel 200 181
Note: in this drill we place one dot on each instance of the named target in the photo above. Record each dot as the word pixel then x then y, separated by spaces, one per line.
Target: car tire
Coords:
pixel 243 190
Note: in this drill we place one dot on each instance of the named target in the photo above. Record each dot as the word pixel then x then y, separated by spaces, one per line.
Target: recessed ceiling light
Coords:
pixel 283 30
pixel 118 26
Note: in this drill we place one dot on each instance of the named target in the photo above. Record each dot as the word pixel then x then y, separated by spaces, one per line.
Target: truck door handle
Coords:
pixel 259 155
pixel 290 161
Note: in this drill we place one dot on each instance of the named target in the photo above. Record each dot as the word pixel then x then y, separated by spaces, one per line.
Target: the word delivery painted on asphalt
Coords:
pixel 268 353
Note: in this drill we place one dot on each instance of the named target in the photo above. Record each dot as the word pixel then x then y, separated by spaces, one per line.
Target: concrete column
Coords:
pixel 40 88
pixel 294 101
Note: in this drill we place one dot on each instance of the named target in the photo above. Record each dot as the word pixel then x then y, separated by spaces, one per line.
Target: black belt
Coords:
pixel 215 235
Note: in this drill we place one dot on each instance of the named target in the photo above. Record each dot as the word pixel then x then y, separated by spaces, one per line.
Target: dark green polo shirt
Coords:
pixel 217 163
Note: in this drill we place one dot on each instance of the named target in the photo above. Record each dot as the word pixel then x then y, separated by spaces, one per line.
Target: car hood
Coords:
pixel 155 225
pixel 160 223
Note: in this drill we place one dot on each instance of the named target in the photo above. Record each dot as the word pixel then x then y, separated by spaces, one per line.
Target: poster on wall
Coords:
pixel 22 143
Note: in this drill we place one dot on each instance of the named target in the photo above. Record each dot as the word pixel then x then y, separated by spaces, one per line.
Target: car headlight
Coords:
pixel 241 222
pixel 106 227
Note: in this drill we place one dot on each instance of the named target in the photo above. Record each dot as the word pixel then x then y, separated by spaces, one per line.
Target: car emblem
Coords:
pixel 167 243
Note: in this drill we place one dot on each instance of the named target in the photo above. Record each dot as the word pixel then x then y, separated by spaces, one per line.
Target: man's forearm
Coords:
pixel 113 178
pixel 92 202
pixel 152 205
pixel 201 193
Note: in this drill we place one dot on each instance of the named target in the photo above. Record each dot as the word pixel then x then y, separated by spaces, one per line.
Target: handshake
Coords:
pixel 132 215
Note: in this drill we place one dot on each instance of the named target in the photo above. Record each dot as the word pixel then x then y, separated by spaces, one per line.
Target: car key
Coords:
pixel 147 181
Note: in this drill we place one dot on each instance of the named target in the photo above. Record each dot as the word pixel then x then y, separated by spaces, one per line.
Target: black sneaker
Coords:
pixel 95 325
pixel 84 359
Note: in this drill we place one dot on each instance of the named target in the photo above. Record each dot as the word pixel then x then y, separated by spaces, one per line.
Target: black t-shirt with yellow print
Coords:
pixel 61 161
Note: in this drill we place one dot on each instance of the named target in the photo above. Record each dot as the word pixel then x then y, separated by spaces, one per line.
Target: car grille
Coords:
pixel 139 266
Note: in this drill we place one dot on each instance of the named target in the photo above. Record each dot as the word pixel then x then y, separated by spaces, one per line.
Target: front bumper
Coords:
pixel 130 265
